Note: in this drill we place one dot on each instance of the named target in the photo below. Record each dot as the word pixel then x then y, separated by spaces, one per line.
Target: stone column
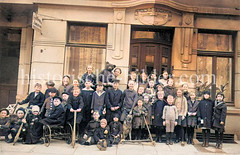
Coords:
pixel 24 63
pixel 118 44
pixel 237 72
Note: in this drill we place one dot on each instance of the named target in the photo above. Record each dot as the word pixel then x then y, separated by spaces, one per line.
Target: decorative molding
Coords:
pixel 153 16
pixel 186 48
pixel 188 20
pixel 119 15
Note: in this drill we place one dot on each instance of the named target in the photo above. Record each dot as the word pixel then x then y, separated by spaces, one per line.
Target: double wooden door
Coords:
pixel 150 57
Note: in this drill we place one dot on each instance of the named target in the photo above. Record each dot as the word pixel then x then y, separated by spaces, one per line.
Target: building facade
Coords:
pixel 197 42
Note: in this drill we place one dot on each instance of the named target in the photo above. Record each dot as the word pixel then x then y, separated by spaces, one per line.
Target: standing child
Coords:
pixel 116 130
pixel 151 90
pixel 34 98
pixel 129 99
pixel 205 113
pixel 35 128
pixel 141 91
pixel 192 117
pixel 99 101
pixel 138 121
pixel 143 80
pixel 147 103
pixel 181 103
pixel 133 77
pixel 170 89
pixel 219 117
pixel 4 121
pixel 88 76
pixel 65 97
pixel 158 107
pixel 65 87
pixel 170 116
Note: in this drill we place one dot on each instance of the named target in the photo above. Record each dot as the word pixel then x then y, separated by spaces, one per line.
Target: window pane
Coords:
pixel 87 34
pixel 77 59
pixel 143 35
pixel 224 77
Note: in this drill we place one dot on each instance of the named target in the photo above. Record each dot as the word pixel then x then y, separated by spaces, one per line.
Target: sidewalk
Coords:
pixel 61 148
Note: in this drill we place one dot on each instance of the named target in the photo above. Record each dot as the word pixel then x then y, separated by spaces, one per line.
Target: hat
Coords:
pixel 53 90
pixel 50 83
pixel 4 109
pixel 65 93
pixel 35 108
pixel 21 109
pixel 56 97
pixel 116 115
pixel 206 92
pixel 116 81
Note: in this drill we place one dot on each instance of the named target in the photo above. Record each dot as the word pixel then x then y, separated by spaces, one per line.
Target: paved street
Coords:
pixel 61 148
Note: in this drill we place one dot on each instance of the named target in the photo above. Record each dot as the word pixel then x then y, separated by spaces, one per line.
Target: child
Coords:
pixel 88 76
pixel 101 135
pixel 90 129
pixel 185 91
pixel 75 85
pixel 129 99
pixel 98 101
pixel 50 84
pixel 116 130
pixel 113 101
pixel 56 115
pixel 65 97
pixel 65 87
pixel 205 112
pixel 75 103
pixel 138 121
pixel 157 115
pixel 169 89
pixel 140 90
pixel 181 103
pixel 164 79
pixel 219 117
pixel 143 80
pixel 35 129
pixel 192 117
pixel 170 116
pixel 34 98
pixel 4 121
pixel 148 105
pixel 15 124
pixel 151 90
pixel 133 77
pixel 117 72
pixel 48 103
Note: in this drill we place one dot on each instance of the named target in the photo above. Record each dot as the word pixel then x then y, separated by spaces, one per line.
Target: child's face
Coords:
pixel 185 87
pixel 140 103
pixel 144 76
pixel 49 86
pixel 140 90
pixel 20 114
pixel 170 100
pixel 56 102
pixel 103 125
pixel 38 89
pixel 65 97
pixel 165 75
pixel 115 85
pixel 3 114
pixel 179 93
pixel 76 92
pixel 88 84
pixel 131 84
pixel 117 72
pixel 95 116
pixel 75 83
pixel 160 88
pixel 146 98
pixel 89 69
pixel 206 96
pixel 151 84
pixel 133 76
pixel 153 76
pixel 100 87
pixel 219 98
pixel 192 96
pixel 160 95
pixel 170 82
pixel 52 94
pixel 65 81
pixel 115 119
pixel 35 113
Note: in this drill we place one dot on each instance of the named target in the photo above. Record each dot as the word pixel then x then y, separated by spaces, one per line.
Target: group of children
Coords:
pixel 102 109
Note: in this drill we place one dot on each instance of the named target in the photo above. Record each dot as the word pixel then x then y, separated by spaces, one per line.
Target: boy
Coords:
pixel 157 115
pixel 192 117
pixel 138 121
pixel 101 135
pixel 65 97
pixel 88 76
pixel 90 129
pixel 169 89
pixel 181 103
pixel 140 90
pixel 116 130
pixel 205 112
pixel 170 116
pixel 65 87
pixel 143 80
pixel 34 98
pixel 48 103
pixel 56 115
pixel 113 101
pixel 133 77
pixel 4 121
pixel 164 78
pixel 50 84
pixel 35 129
pixel 129 99
pixel 219 117
pixel 98 101
pixel 151 90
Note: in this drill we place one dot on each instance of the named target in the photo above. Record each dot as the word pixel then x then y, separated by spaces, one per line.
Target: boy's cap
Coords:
pixel 116 115
pixel 65 93
pixel 53 90
pixel 4 109
pixel 56 97
pixel 21 109
pixel 50 83
pixel 206 92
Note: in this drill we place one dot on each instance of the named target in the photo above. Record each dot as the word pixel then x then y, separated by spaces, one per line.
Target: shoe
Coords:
pixel 167 142
pixel 217 145
pixel 159 140
pixel 189 141
pixel 177 141
pixel 86 143
pixel 220 146
pixel 182 143
pixel 69 141
pixel 204 143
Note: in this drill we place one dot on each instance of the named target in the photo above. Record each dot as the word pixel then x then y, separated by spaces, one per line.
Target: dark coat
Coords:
pixel 129 98
pixel 32 100
pixel 67 89
pixel 149 108
pixel 168 90
pixel 205 112
pixel 101 133
pixel 35 129
pixel 86 77
pixel 115 128
pixel 219 114
pixel 91 127
pixel 192 108
pixel 98 102
pixel 87 100
pixel 56 116
pixel 138 114
pixel 75 103
pixel 158 107
pixel 3 126
pixel 46 94
pixel 113 99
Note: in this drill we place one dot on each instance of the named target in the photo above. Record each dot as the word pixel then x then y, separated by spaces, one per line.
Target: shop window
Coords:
pixel 86 46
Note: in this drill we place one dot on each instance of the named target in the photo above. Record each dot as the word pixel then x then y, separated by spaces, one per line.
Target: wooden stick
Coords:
pixel 74 130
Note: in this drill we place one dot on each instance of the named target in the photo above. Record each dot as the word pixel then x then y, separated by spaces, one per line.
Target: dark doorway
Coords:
pixel 151 49
pixel 10 39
